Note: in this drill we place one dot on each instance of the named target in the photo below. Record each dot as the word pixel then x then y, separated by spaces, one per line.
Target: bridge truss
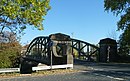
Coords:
pixel 39 50
pixel 86 51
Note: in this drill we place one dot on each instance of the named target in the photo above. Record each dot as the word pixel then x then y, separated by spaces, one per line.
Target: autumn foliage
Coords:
pixel 9 51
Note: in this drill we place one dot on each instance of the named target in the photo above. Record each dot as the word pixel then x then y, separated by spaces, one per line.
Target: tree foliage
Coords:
pixel 9 50
pixel 15 15
pixel 9 54
pixel 122 8
pixel 117 7
pixel 7 37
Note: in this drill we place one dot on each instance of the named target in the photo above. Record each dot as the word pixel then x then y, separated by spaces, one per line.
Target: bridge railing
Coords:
pixel 86 51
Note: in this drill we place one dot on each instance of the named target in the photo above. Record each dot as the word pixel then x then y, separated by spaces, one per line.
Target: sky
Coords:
pixel 81 19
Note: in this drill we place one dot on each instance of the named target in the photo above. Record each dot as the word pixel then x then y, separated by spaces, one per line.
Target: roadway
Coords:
pixel 89 72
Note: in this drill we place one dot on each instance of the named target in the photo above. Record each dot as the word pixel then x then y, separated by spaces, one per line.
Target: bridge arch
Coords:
pixel 54 50
pixel 40 48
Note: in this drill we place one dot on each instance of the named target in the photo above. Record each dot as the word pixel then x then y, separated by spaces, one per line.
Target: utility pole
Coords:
pixel 72 51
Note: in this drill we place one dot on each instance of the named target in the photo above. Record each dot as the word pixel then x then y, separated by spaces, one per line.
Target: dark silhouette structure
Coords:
pixel 108 50
pixel 55 49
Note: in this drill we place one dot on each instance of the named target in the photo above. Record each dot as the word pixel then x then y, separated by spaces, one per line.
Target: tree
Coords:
pixel 7 37
pixel 122 8
pixel 9 50
pixel 15 15
pixel 112 34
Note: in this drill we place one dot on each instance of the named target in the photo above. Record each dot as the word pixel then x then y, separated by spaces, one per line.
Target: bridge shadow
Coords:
pixel 83 64
pixel 108 70
pixel 86 63
pixel 119 75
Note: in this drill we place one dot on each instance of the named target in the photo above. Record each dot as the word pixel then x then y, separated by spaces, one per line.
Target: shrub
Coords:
pixel 9 54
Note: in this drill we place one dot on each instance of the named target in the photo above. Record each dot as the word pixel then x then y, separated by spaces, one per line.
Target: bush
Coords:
pixel 124 58
pixel 9 54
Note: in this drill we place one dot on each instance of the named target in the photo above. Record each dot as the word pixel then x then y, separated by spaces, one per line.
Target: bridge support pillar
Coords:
pixel 108 50
pixel 62 53
pixel 25 67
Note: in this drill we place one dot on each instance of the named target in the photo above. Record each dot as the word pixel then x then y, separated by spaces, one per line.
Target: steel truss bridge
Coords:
pixel 56 49
pixel 39 49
